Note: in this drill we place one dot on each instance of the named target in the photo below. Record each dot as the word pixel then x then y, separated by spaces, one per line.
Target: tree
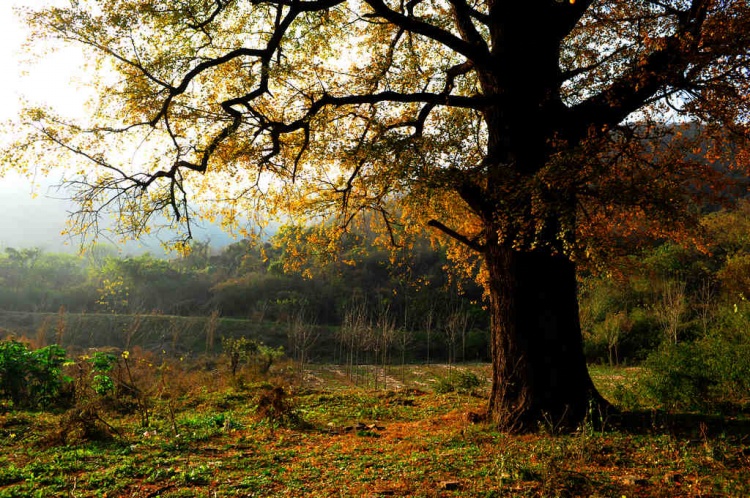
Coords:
pixel 302 335
pixel 671 309
pixel 519 130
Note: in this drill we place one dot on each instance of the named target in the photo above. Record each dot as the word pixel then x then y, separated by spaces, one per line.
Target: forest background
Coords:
pixel 402 301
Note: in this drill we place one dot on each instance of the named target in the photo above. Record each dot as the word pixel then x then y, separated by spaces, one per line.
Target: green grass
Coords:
pixel 413 442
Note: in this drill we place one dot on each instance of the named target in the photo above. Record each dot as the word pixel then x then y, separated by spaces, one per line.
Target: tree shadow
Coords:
pixel 682 425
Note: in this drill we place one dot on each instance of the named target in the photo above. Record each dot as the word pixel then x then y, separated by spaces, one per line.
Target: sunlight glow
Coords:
pixel 54 80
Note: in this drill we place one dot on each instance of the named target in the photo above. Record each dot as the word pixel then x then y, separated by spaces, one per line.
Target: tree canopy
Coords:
pixel 345 107
pixel 524 131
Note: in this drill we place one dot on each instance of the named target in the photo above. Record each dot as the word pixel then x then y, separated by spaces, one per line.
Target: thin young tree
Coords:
pixel 404 339
pixel 352 334
pixel 522 131
pixel 671 308
pixel 454 328
pixel 706 304
pixel 429 325
pixel 385 330
pixel 302 336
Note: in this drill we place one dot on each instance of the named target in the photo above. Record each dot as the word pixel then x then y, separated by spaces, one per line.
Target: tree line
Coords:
pixel 663 293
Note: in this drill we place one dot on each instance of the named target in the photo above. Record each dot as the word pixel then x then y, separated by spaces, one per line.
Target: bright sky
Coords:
pixel 50 81
pixel 26 219
pixel 33 215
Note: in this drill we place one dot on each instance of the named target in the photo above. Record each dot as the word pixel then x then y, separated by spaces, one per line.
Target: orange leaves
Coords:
pixel 379 114
pixel 648 187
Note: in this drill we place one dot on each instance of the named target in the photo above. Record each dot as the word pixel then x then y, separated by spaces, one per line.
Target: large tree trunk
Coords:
pixel 540 373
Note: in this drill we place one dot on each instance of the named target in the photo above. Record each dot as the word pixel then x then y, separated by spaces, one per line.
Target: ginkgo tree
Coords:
pixel 526 132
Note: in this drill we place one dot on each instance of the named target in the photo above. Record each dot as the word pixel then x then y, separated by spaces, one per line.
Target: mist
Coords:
pixel 34 214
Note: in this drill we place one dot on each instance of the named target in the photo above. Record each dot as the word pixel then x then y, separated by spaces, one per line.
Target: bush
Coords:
pixel 711 373
pixel 459 380
pixel 250 351
pixel 101 364
pixel 31 379
pixel 275 407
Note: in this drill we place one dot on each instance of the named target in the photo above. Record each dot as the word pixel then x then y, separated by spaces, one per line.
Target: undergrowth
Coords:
pixel 421 444
pixel 165 427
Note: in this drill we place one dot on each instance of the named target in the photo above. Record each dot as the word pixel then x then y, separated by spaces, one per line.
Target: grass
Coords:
pixel 330 437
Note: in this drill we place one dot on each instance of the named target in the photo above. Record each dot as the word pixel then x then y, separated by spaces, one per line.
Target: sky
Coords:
pixel 33 213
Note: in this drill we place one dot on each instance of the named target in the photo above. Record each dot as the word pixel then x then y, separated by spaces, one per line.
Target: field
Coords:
pixel 332 433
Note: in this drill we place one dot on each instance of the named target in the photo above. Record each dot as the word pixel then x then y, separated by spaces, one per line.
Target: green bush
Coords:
pixel 251 351
pixel 458 380
pixel 708 374
pixel 101 364
pixel 31 379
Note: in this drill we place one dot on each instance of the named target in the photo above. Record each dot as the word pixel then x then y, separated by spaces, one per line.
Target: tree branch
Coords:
pixel 462 16
pixel 472 244
pixel 656 70
pixel 450 78
pixel 480 55
pixel 220 5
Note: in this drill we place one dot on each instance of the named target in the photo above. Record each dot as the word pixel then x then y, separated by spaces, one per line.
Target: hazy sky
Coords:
pixel 34 213
pixel 27 219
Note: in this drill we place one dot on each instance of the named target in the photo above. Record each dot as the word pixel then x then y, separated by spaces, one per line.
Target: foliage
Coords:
pixel 238 282
pixel 251 352
pixel 34 280
pixel 460 380
pixel 388 135
pixel 101 364
pixel 527 153
pixel 31 378
pixel 708 374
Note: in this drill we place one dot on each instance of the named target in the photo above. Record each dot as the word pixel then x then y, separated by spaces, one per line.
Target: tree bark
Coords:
pixel 540 373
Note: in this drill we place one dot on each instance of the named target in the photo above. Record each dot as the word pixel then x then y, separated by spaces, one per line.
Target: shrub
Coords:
pixel 459 380
pixel 101 364
pixel 443 385
pixel 275 407
pixel 679 377
pixel 465 380
pixel 31 379
pixel 711 373
pixel 250 351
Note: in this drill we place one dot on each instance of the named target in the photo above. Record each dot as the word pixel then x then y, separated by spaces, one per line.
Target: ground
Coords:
pixel 326 436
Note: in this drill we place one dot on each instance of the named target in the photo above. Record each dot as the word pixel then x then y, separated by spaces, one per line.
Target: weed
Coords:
pixel 626 397
pixel 10 474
